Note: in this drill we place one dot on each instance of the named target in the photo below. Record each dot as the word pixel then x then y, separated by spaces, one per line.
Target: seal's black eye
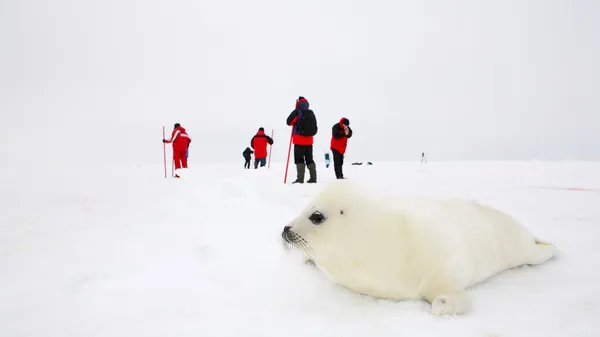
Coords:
pixel 317 218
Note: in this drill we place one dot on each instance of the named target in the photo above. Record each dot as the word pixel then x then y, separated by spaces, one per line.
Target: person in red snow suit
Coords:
pixel 340 132
pixel 181 142
pixel 259 143
pixel 302 137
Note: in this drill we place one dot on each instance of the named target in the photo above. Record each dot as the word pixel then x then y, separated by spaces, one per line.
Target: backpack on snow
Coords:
pixel 307 124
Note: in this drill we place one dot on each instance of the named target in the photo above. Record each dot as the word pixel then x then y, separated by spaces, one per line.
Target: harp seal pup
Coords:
pixel 410 248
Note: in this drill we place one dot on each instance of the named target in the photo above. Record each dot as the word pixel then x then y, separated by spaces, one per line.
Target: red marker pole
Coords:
pixel 287 163
pixel 270 149
pixel 164 153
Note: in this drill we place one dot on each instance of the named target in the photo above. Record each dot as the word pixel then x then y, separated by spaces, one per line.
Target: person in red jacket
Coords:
pixel 340 132
pixel 181 141
pixel 303 145
pixel 259 143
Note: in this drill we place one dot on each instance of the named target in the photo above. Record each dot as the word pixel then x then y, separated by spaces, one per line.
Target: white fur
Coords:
pixel 412 248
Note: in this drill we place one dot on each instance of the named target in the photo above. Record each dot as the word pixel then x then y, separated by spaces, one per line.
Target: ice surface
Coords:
pixel 122 251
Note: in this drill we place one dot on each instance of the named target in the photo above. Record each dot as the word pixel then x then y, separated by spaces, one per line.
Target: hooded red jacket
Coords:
pixel 259 143
pixel 339 140
pixel 180 139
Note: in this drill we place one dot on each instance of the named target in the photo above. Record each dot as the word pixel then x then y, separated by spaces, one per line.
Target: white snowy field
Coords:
pixel 122 251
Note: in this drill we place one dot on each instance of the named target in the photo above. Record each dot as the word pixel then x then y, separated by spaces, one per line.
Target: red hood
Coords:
pixel 342 121
pixel 260 133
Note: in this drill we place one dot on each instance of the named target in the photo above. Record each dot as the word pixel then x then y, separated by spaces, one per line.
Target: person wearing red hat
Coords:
pixel 259 143
pixel 181 141
pixel 304 128
pixel 340 132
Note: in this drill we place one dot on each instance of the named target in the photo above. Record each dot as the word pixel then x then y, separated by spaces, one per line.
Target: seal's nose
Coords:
pixel 285 233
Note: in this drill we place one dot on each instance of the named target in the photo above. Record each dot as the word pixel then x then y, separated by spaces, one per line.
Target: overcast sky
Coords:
pixel 463 79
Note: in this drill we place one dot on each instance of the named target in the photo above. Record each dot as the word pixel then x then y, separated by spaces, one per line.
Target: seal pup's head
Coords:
pixel 336 219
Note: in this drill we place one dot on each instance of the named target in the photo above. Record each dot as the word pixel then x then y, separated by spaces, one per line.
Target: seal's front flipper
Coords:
pixel 452 303
pixel 445 296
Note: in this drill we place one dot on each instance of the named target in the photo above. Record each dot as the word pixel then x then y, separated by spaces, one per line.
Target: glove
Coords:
pixel 164 141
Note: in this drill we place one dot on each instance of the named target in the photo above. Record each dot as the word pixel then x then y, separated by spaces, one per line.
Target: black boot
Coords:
pixel 300 168
pixel 312 169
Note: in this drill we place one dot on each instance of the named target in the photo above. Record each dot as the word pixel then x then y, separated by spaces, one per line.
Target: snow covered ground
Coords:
pixel 122 251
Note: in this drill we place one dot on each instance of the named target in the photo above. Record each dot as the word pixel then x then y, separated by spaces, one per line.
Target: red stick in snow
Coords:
pixel 164 152
pixel 287 163
pixel 270 149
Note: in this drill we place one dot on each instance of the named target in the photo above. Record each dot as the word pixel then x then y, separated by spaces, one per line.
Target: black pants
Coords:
pixel 338 162
pixel 261 161
pixel 247 163
pixel 303 154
